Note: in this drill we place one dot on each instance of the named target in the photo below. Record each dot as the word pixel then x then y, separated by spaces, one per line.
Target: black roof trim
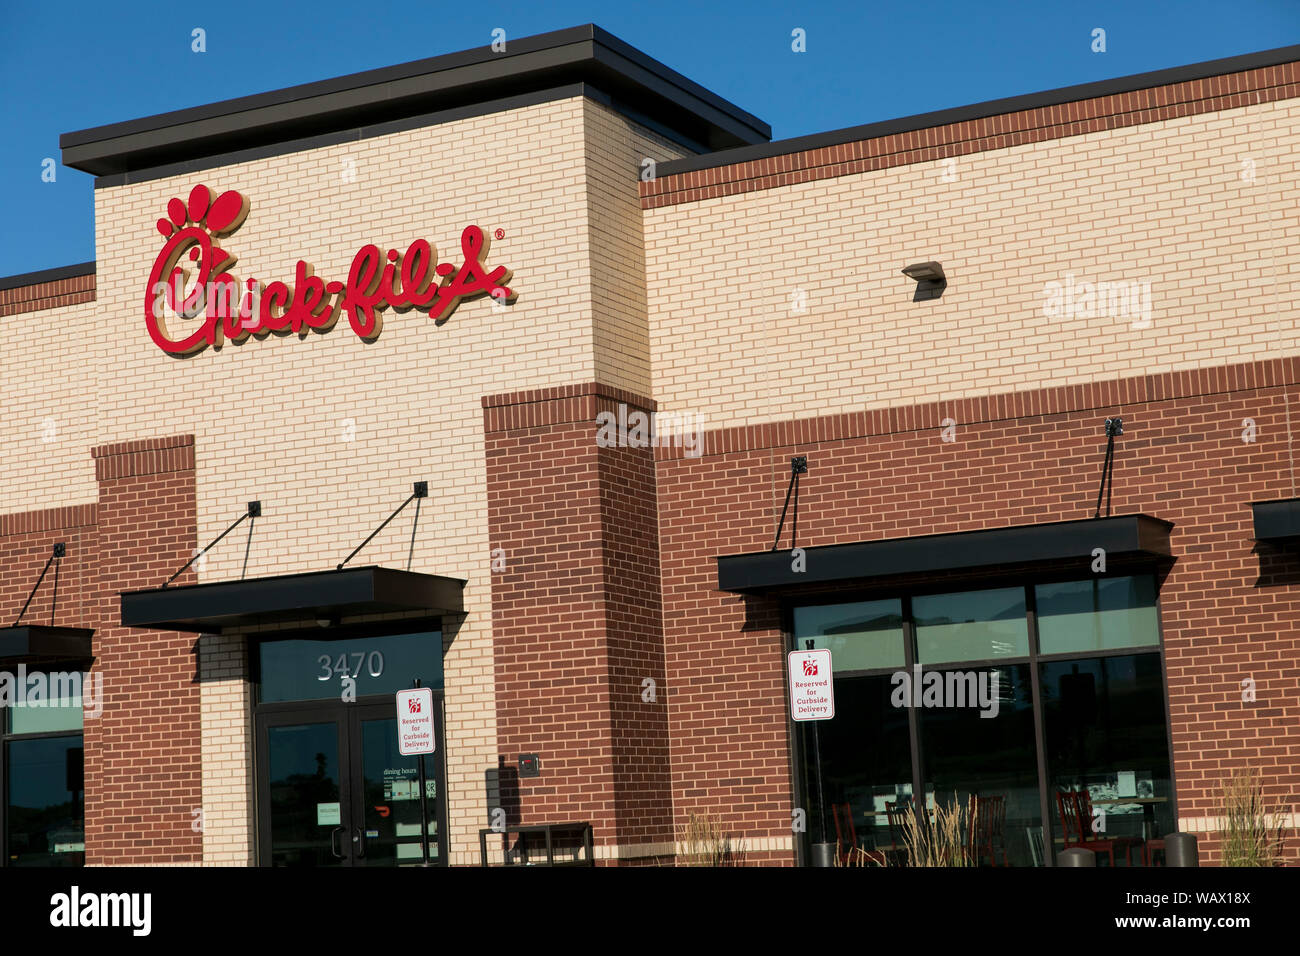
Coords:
pixel 47 275
pixel 33 642
pixel 372 98
pixel 221 605
pixel 961 114
pixel 1057 543
pixel 1277 520
pixel 357 134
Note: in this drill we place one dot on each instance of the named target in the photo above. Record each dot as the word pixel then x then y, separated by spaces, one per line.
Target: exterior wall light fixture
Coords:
pixel 930 280
pixel 922 271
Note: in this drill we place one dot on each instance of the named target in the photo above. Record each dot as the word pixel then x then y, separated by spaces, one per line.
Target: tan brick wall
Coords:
pixel 841 154
pixel 1168 202
pixel 616 151
pixel 49 422
pixel 226 697
pixel 329 432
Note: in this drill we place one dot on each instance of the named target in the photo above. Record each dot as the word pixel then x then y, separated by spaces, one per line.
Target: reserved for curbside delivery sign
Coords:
pixel 812 693
pixel 415 721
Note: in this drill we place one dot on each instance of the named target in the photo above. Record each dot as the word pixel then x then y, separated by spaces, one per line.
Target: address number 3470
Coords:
pixel 374 663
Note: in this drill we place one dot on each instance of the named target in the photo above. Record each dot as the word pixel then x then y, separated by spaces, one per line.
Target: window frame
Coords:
pixel 259 713
pixel 6 738
pixel 799 760
pixel 7 735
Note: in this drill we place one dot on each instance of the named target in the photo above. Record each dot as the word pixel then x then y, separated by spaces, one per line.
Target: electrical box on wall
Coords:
pixel 529 766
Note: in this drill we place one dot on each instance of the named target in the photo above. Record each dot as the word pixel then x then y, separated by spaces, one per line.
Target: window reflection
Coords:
pixel 1102 715
pixel 867 635
pixel 314 670
pixel 968 753
pixel 866 762
pixel 44 812
pixel 1104 721
pixel 970 626
pixel 1097 615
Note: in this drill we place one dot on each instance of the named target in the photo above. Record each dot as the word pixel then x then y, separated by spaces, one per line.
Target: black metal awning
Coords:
pixel 1058 544
pixel 215 608
pixel 1277 520
pixel 39 642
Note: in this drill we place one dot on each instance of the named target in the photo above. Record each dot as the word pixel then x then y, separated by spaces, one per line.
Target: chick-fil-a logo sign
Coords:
pixel 232 311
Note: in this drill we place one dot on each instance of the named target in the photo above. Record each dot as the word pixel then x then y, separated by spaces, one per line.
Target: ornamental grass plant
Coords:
pixel 706 843
pixel 1252 831
pixel 941 843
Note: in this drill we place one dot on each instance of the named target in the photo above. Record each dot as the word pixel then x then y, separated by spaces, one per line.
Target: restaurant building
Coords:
pixel 655 404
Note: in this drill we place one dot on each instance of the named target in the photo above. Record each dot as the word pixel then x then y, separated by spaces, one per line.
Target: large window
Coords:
pixel 985 693
pixel 866 645
pixel 42 793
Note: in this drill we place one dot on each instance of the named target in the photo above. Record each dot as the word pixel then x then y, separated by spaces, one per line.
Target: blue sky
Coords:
pixel 73 65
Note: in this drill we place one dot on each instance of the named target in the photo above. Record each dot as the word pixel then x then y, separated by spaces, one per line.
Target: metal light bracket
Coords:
pixel 254 511
pixel 60 550
pixel 798 466
pixel 1114 426
pixel 419 489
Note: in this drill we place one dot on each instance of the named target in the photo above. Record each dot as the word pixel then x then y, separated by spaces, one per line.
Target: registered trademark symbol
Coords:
pixel 500 233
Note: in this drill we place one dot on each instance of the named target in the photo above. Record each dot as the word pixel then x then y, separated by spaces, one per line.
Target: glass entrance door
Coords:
pixel 303 816
pixel 387 792
pixel 334 791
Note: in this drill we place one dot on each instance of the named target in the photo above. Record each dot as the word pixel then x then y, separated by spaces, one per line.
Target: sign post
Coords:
pixel 416 737
pixel 812 697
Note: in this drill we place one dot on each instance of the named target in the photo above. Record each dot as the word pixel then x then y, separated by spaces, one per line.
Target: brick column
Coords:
pixel 143 753
pixel 576 616
pixel 26 541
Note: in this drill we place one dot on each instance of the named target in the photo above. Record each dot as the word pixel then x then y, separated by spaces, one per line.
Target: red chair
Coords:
pixel 988 828
pixel 842 852
pixel 1075 808
pixel 848 851
pixel 1127 844
pixel 1149 849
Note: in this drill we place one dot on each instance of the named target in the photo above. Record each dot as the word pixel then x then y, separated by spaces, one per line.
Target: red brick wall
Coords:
pixel 576 618
pixel 143 751
pixel 47 295
pixel 634 633
pixel 26 542
pixel 143 754
pixel 1227 612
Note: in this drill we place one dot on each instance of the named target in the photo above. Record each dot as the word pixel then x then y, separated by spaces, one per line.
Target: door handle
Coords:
pixel 359 839
pixel 334 844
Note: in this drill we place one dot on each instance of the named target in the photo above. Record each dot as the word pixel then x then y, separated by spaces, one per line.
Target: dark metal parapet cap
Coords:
pixel 407 95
